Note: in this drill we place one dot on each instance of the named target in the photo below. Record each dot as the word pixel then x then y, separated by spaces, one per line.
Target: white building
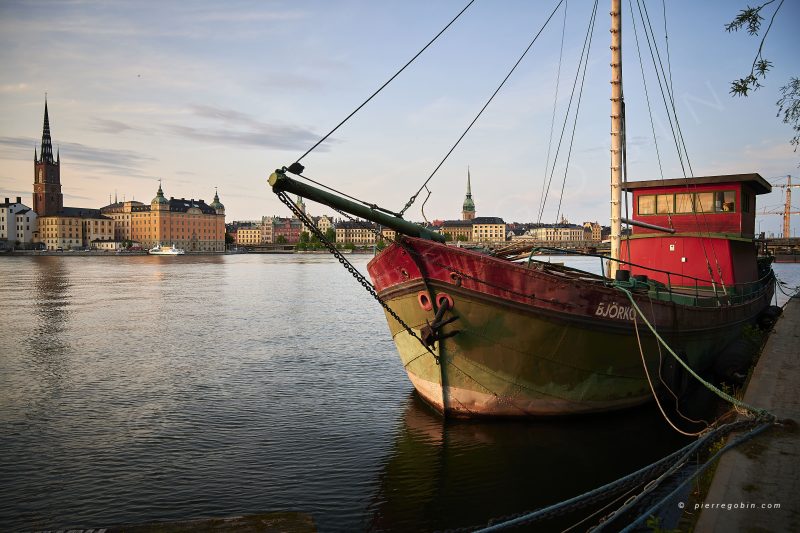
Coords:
pixel 558 233
pixel 19 224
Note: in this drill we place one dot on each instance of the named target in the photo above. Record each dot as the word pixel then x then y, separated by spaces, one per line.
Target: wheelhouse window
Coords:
pixel 725 201
pixel 665 204
pixel 704 202
pixel 647 205
pixel 684 203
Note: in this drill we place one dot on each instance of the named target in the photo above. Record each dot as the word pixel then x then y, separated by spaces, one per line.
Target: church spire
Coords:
pixel 468 209
pixel 46 152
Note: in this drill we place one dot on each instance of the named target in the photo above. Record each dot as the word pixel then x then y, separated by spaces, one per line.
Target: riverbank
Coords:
pixel 755 485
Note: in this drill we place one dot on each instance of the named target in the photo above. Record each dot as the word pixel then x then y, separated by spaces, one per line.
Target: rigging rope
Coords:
pixel 647 98
pixel 677 135
pixel 555 104
pixel 546 22
pixel 583 57
pixel 577 109
pixel 356 110
pixel 364 202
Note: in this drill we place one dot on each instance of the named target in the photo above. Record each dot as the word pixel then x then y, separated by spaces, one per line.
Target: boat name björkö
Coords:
pixel 614 310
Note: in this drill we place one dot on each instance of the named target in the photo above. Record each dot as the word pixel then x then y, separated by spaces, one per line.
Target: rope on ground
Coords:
pixel 760 413
pixel 668 463
pixel 735 442
pixel 629 504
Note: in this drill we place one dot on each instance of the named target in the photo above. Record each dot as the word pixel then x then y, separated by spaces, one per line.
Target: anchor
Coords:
pixel 431 333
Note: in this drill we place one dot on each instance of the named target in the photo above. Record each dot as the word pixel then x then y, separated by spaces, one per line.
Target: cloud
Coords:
pixel 122 162
pixel 248 16
pixel 239 129
pixel 13 88
pixel 111 126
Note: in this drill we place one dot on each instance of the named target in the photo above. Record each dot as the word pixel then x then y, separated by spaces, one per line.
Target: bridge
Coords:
pixel 784 250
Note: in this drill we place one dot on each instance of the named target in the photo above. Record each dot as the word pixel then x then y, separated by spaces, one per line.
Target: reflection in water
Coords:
pixel 137 389
pixel 448 474
pixel 48 342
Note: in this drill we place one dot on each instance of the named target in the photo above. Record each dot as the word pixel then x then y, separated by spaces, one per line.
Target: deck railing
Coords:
pixel 736 293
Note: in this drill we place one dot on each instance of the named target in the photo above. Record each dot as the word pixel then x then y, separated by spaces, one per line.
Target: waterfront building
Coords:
pixel 248 235
pixel 286 229
pixel 476 229
pixel 62 227
pixel 593 230
pixel 189 224
pixel 266 230
pixel 468 208
pixel 458 230
pixel 488 229
pixel 74 228
pixel 324 223
pixel 388 234
pixel 558 233
pixel 18 225
pixel 358 233
pixel 120 213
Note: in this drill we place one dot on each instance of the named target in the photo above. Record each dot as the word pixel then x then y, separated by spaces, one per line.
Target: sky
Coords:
pixel 206 95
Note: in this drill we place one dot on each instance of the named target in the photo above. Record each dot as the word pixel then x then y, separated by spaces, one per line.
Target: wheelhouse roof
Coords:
pixel 759 184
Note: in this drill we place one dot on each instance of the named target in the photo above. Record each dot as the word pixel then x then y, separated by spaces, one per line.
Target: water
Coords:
pixel 137 389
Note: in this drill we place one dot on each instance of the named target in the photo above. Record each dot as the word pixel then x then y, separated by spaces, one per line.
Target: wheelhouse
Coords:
pixel 713 219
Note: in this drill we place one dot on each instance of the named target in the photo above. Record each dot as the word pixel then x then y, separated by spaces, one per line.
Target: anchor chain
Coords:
pixel 350 268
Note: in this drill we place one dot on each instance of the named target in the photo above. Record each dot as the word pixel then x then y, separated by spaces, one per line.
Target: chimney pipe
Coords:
pixel 19 199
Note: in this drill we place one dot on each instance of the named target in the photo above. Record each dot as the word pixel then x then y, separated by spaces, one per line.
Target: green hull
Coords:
pixel 541 340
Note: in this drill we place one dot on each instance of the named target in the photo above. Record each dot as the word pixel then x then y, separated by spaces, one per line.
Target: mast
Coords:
pixel 616 133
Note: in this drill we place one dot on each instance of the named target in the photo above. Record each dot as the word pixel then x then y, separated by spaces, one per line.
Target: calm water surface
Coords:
pixel 160 388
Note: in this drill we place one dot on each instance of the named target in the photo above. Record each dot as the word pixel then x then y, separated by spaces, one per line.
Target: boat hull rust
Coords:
pixel 533 341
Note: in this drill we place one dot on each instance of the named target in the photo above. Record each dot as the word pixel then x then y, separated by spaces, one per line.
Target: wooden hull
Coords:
pixel 537 341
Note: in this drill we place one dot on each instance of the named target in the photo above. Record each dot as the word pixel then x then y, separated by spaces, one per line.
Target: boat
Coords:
pixel 158 249
pixel 482 335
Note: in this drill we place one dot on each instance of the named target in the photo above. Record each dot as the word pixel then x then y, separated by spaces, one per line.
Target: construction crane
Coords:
pixel 788 209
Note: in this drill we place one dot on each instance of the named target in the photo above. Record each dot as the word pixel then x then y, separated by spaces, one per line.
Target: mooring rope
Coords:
pixel 760 413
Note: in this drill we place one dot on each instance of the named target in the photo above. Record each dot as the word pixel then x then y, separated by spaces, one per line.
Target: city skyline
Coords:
pixel 202 98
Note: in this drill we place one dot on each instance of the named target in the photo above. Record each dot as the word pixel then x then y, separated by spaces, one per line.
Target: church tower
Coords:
pixel 47 196
pixel 468 209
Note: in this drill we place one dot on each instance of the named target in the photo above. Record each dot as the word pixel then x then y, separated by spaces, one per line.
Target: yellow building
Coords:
pixel 459 230
pixel 189 224
pixel 75 227
pixel 594 231
pixel 324 223
pixel 248 236
pixel 358 233
pixel 388 234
